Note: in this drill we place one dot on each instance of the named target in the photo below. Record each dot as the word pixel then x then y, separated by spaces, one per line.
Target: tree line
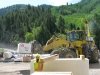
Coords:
pixel 41 22
pixel 32 23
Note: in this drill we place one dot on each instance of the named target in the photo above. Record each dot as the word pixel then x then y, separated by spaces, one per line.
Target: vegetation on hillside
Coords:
pixel 25 23
pixel 12 8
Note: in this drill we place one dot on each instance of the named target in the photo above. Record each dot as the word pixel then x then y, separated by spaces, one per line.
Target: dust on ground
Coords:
pixel 94 69
pixel 8 46
pixel 14 68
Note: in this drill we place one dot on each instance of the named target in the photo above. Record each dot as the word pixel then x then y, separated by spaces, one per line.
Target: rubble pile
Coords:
pixel 14 56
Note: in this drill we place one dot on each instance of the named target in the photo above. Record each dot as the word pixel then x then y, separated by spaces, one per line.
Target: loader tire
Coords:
pixel 71 54
pixel 94 56
pixel 64 53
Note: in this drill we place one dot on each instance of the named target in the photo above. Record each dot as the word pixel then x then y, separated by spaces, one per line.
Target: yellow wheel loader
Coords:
pixel 78 42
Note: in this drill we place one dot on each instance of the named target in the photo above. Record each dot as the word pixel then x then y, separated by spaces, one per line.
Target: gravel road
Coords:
pixel 14 68
pixel 94 69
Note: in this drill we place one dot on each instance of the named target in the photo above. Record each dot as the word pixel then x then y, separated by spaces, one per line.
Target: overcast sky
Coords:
pixel 5 3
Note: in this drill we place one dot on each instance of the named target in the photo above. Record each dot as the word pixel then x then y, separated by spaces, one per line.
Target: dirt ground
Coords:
pixel 19 68
pixel 94 69
pixel 14 68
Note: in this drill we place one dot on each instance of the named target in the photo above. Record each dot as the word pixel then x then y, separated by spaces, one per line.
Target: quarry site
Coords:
pixel 49 37
pixel 9 67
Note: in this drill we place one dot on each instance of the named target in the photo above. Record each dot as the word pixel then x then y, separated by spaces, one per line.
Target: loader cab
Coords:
pixel 76 35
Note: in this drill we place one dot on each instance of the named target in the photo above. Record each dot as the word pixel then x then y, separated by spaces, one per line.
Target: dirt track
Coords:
pixel 12 68
pixel 18 68
pixel 94 69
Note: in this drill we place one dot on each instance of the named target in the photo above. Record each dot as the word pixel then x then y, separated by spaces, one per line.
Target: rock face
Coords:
pixel 36 47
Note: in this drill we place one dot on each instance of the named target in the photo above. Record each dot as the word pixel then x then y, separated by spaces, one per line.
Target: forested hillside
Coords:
pixel 25 23
pixel 12 8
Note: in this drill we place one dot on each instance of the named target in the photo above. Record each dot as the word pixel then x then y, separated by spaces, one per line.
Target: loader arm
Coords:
pixel 55 43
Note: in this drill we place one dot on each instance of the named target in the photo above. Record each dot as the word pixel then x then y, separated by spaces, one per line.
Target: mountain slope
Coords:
pixel 25 22
pixel 12 8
